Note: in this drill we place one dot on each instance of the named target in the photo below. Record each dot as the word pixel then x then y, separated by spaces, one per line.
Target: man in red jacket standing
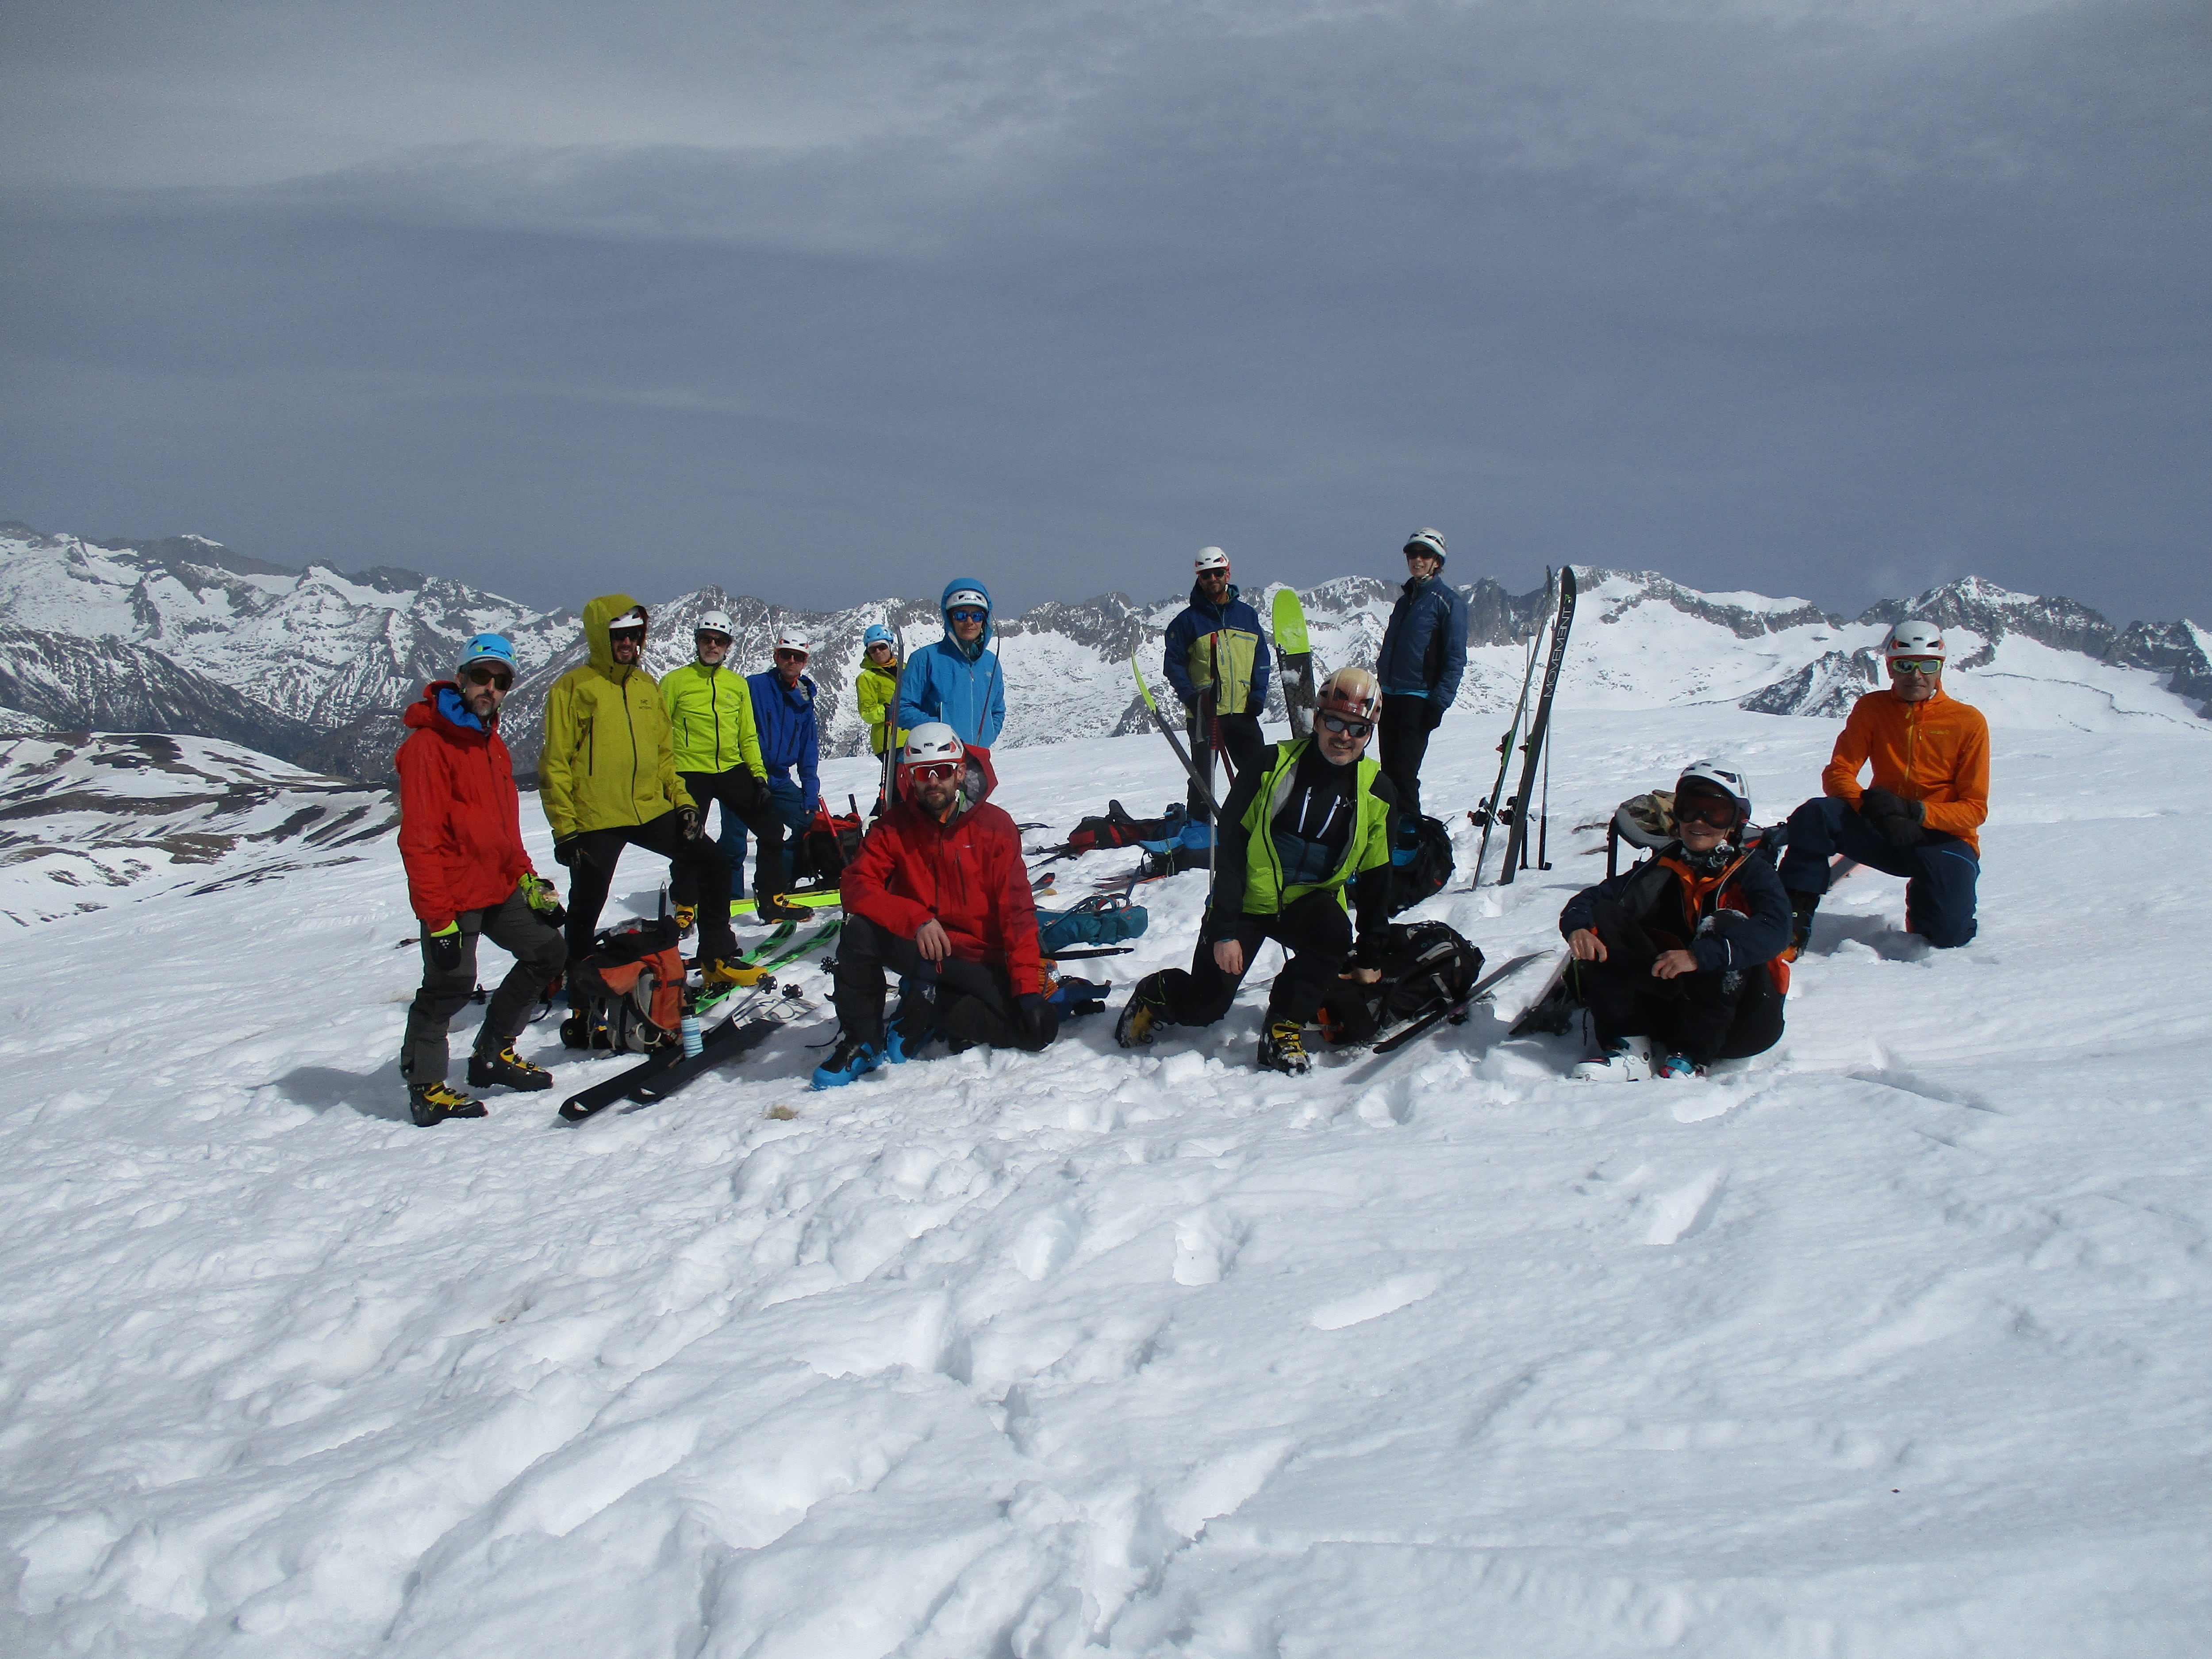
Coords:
pixel 461 837
pixel 941 896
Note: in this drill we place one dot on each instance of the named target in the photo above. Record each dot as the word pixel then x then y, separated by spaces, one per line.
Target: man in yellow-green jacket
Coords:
pixel 607 780
pixel 718 756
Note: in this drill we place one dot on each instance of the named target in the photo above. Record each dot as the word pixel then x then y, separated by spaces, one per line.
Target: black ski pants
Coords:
pixel 1407 723
pixel 1940 874
pixel 745 798
pixel 539 953
pixel 1241 740
pixel 698 861
pixel 975 1000
pixel 1707 1015
pixel 1314 930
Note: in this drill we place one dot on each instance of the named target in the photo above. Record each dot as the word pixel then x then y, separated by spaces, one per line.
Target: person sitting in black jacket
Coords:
pixel 1680 951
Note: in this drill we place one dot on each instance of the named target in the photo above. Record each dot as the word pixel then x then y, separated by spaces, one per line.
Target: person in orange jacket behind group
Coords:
pixel 1930 792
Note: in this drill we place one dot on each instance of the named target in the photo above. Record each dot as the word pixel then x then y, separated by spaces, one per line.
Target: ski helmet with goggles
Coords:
pixel 1212 558
pixel 878 634
pixel 1351 693
pixel 1711 778
pixel 486 648
pixel 931 743
pixel 1428 541
pixel 792 640
pixel 1914 639
pixel 713 622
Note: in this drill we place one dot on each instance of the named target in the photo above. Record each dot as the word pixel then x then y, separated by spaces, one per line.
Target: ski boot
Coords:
pixel 434 1102
pixel 1147 1007
pixel 913 1028
pixel 1624 1059
pixel 770 906
pixel 1679 1065
pixel 852 1058
pixel 508 1068
pixel 719 975
pixel 687 919
pixel 1801 907
pixel 1283 1049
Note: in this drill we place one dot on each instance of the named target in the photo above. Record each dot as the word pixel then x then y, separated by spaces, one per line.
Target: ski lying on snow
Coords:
pixel 744 907
pixel 768 964
pixel 662 1074
pixel 1454 1013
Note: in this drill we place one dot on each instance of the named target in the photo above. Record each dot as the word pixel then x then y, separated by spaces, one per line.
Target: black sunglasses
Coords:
pixel 498 679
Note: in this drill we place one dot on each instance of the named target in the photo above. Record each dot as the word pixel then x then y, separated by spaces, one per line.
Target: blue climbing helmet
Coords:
pixel 487 648
pixel 878 634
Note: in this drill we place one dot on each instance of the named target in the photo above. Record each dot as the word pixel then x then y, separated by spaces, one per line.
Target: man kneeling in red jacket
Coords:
pixel 467 876
pixel 941 896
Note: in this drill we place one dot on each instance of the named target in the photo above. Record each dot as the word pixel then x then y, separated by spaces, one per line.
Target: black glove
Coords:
pixel 1880 804
pixel 689 818
pixel 751 792
pixel 1039 1020
pixel 1436 713
pixel 1900 831
pixel 445 948
pixel 567 854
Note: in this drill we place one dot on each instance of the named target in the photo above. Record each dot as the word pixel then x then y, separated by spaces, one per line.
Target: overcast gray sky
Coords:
pixel 822 301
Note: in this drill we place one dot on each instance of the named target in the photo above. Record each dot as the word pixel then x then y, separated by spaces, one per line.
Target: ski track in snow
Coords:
pixel 1890 1342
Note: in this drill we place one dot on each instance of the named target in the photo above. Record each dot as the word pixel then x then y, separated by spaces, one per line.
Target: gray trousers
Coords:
pixel 540 953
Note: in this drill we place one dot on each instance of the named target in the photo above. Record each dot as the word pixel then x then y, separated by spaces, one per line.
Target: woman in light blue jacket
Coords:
pixel 957 679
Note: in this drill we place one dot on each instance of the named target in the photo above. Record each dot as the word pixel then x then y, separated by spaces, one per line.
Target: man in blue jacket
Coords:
pixel 783 715
pixel 1424 655
pixel 956 678
pixel 1217 660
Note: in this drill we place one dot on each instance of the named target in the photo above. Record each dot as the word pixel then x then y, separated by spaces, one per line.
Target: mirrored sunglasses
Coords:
pixel 1344 728
pixel 1929 666
pixel 966 614
pixel 935 771
pixel 498 679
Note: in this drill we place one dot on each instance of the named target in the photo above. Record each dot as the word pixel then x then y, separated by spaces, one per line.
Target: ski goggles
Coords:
pixel 1928 667
pixel 967 613
pixel 934 771
pixel 499 679
pixel 1714 812
pixel 1345 728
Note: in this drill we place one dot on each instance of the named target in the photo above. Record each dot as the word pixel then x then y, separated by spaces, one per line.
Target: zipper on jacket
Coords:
pixel 630 719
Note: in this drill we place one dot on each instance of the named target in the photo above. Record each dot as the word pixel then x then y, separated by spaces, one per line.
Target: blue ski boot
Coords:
pixel 850 1059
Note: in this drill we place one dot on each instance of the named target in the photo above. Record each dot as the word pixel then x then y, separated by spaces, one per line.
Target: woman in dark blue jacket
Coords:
pixel 1424 655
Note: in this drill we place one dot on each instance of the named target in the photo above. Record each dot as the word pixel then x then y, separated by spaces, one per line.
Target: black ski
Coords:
pixel 1485 817
pixel 1174 742
pixel 670 1060
pixel 1454 1011
pixel 1516 839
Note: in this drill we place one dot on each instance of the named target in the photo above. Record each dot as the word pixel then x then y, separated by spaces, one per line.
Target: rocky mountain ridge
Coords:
pixel 186 636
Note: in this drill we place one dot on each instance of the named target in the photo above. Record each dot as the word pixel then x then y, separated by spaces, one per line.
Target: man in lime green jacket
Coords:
pixel 717 756
pixel 607 780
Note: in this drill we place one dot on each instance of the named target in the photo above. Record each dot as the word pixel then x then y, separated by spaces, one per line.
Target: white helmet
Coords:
pixel 930 742
pixel 1427 541
pixel 790 639
pixel 1212 558
pixel 1706 777
pixel 713 622
pixel 1913 639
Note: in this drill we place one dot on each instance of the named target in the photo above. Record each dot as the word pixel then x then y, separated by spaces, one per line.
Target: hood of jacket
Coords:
pixel 974 789
pixel 598 613
pixel 944 605
pixel 442 711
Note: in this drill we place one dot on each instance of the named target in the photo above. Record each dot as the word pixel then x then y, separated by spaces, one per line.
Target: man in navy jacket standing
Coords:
pixel 1217 649
pixel 1424 655
pixel 783 715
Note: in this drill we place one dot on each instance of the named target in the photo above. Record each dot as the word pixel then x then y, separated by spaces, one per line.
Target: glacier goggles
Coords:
pixel 1714 812
pixel 1343 727
pixel 484 673
pixel 934 771
pixel 1927 667
pixel 966 613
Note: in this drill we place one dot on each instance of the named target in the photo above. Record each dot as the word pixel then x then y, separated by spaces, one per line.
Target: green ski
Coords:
pixel 1294 659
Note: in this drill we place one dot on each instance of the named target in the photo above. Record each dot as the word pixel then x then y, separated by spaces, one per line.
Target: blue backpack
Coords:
pixel 1107 919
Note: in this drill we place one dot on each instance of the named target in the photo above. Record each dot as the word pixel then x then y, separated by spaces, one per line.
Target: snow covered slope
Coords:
pixel 1890 1343
pixel 91 820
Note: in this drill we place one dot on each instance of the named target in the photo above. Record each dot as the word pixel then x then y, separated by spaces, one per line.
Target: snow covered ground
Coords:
pixel 1892 1342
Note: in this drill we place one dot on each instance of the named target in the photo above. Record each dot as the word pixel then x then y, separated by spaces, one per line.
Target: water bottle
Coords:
pixel 690 1027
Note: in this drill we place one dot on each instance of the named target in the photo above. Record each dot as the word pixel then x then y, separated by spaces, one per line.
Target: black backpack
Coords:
pixel 1426 866
pixel 1425 966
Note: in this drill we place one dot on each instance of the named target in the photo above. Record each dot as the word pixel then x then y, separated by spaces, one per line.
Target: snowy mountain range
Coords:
pixel 186 636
